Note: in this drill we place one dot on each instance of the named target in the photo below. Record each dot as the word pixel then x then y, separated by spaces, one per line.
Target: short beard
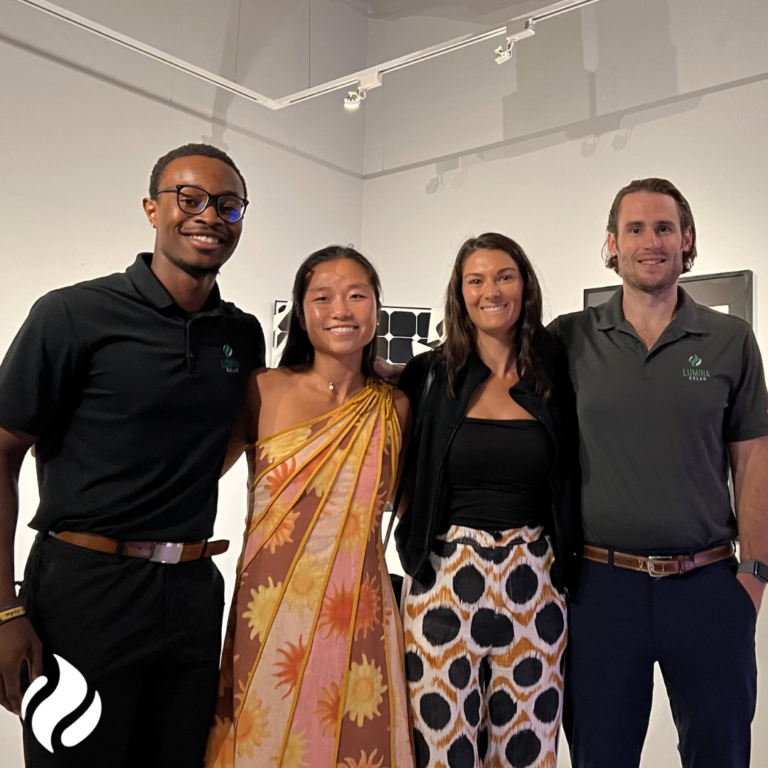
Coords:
pixel 197 272
pixel 651 290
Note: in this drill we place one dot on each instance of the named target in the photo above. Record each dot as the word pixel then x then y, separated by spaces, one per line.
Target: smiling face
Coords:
pixel 202 243
pixel 650 242
pixel 339 307
pixel 492 288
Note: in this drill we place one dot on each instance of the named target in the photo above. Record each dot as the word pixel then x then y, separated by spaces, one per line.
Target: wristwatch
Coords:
pixel 756 568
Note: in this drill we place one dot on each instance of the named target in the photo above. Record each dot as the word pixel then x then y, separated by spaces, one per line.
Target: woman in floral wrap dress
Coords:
pixel 312 670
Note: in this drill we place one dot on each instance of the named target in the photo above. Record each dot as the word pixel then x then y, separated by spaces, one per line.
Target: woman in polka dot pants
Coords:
pixel 484 650
pixel 486 530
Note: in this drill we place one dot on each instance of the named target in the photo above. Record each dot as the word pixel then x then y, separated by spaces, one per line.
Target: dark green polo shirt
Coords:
pixel 132 401
pixel 655 425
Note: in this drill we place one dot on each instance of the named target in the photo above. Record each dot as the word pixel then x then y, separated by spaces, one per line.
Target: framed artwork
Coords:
pixel 402 333
pixel 727 292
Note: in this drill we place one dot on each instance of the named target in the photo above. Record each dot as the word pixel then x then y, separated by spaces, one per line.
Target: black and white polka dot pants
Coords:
pixel 484 640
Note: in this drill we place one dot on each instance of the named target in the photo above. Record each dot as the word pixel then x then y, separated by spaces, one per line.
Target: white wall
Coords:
pixel 76 152
pixel 639 89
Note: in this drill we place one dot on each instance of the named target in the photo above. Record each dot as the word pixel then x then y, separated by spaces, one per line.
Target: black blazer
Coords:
pixel 435 428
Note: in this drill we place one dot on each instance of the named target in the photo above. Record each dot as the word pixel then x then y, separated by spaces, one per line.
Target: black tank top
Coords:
pixel 498 474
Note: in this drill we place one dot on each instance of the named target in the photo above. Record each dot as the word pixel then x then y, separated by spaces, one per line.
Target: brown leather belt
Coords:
pixel 167 552
pixel 661 565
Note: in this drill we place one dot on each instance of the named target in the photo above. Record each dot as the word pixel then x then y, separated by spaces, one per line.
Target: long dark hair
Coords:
pixel 299 352
pixel 460 331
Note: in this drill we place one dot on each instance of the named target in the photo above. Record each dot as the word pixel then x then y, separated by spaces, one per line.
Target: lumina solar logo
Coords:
pixel 696 372
pixel 67 696
pixel 229 363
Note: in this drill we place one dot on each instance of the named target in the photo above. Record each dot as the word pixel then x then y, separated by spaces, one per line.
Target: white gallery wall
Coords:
pixel 442 151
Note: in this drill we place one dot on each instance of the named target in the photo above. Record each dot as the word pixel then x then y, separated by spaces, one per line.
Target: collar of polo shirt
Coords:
pixel 688 316
pixel 146 283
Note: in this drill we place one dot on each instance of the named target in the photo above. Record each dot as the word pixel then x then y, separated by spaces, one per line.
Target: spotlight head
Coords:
pixel 504 52
pixel 352 101
pixel 354 98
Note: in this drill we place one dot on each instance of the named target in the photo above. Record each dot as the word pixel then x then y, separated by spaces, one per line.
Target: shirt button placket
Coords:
pixel 648 369
pixel 191 362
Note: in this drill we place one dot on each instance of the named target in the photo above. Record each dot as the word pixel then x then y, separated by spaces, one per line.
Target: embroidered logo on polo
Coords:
pixel 69 695
pixel 229 363
pixel 696 371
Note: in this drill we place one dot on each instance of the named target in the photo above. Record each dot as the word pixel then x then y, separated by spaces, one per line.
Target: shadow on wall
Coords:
pixel 442 169
pixel 582 76
pixel 223 99
pixel 248 69
pixel 593 75
pixel 579 80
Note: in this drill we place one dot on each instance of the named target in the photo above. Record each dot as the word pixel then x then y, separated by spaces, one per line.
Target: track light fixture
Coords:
pixel 515 32
pixel 366 82
pixel 354 99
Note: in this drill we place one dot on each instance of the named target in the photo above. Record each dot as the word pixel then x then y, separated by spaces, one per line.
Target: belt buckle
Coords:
pixel 168 552
pixel 649 565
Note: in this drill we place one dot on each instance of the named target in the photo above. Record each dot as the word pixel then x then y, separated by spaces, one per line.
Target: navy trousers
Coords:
pixel 700 628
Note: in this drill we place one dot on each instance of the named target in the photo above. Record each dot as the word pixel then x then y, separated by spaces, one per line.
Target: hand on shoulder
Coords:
pixel 403 410
pixel 390 372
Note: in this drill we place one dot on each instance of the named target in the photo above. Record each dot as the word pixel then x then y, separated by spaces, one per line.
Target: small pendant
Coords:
pixel 330 386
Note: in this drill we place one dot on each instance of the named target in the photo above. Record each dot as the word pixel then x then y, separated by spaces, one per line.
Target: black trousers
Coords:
pixel 145 636
pixel 700 628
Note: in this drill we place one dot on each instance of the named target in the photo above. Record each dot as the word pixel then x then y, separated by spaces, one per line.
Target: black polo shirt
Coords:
pixel 132 401
pixel 655 424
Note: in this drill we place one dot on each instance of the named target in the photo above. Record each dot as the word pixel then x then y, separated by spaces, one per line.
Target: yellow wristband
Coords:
pixel 12 613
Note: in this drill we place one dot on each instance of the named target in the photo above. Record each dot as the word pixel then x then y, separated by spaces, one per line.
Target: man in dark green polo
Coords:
pixel 671 401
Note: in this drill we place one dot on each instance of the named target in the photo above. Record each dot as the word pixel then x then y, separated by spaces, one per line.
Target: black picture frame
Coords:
pixel 731 289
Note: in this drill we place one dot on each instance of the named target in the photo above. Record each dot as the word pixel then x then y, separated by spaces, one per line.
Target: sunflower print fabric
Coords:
pixel 313 664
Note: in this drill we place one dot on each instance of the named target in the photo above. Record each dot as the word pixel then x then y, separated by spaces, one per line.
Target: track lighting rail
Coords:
pixel 517 29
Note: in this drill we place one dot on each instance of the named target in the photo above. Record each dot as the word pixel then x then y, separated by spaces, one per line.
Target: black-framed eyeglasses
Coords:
pixel 194 200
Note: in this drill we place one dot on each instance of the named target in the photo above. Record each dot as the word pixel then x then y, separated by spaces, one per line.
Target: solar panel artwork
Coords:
pixel 402 333
pixel 281 311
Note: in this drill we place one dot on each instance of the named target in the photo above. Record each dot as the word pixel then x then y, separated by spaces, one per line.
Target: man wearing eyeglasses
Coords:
pixel 128 387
